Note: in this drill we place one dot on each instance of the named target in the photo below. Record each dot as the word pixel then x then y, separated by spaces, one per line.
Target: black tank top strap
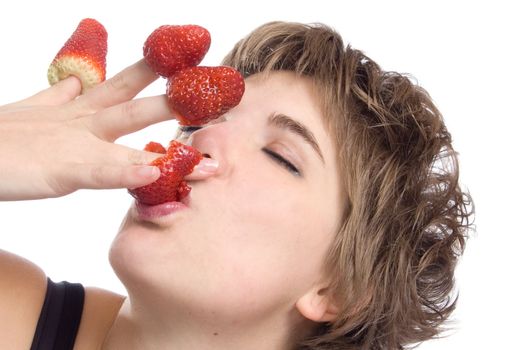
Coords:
pixel 60 317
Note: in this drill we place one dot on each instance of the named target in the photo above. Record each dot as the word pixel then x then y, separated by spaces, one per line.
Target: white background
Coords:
pixel 468 55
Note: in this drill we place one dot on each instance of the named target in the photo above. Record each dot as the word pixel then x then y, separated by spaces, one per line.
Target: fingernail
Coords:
pixel 207 165
pixel 148 171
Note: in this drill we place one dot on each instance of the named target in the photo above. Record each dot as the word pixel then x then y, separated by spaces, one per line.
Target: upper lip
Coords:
pixel 187 200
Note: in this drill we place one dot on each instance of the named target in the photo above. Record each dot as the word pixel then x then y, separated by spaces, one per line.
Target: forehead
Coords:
pixel 290 94
pixel 283 89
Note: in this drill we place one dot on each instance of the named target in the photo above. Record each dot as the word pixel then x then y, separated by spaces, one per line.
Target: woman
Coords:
pixel 327 213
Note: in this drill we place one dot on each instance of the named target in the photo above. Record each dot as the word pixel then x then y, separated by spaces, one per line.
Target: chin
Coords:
pixel 132 253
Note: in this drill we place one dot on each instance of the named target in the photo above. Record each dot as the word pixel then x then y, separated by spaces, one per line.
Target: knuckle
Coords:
pixel 131 109
pixel 137 157
pixel 98 176
pixel 118 82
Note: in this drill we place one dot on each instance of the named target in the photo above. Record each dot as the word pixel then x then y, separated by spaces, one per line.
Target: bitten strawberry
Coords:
pixel 171 48
pixel 83 55
pixel 201 94
pixel 178 161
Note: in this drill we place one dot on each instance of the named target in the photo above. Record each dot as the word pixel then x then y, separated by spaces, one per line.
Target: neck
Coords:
pixel 145 327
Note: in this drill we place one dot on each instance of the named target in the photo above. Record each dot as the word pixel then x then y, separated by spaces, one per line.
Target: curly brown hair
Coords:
pixel 406 220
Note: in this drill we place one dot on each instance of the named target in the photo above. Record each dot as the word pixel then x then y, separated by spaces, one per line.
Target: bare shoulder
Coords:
pixel 101 307
pixel 22 290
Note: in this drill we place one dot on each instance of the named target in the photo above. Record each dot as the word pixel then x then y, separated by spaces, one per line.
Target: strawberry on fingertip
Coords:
pixel 201 94
pixel 171 48
pixel 83 55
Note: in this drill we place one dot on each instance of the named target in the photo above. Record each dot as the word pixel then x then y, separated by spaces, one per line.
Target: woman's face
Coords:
pixel 254 236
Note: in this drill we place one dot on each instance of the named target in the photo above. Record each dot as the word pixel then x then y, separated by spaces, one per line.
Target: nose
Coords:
pixel 208 141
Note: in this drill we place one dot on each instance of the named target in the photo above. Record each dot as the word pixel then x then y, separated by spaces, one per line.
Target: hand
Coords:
pixel 57 142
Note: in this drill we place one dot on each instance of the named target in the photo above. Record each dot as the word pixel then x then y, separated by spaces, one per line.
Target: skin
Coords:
pixel 242 267
pixel 236 283
pixel 69 140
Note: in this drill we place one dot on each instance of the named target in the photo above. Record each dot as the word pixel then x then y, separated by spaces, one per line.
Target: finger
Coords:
pixel 206 168
pixel 126 156
pixel 125 118
pixel 62 92
pixel 111 176
pixel 122 87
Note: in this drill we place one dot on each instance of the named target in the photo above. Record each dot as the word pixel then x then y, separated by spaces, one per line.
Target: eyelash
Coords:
pixel 188 130
pixel 282 161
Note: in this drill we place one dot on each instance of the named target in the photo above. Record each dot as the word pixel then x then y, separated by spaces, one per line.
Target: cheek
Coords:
pixel 248 246
pixel 272 242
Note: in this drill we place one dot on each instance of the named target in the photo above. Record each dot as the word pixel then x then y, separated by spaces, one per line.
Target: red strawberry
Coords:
pixel 83 55
pixel 178 162
pixel 201 94
pixel 171 48
pixel 155 147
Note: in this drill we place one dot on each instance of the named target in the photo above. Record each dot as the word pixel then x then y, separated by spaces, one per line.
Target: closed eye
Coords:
pixel 282 161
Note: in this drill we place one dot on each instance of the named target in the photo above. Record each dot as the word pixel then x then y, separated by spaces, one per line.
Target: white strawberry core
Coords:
pixel 65 66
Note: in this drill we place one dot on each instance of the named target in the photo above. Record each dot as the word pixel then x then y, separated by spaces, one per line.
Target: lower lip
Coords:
pixel 148 212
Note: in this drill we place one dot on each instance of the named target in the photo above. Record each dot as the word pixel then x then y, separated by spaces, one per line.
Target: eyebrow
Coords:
pixel 285 122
